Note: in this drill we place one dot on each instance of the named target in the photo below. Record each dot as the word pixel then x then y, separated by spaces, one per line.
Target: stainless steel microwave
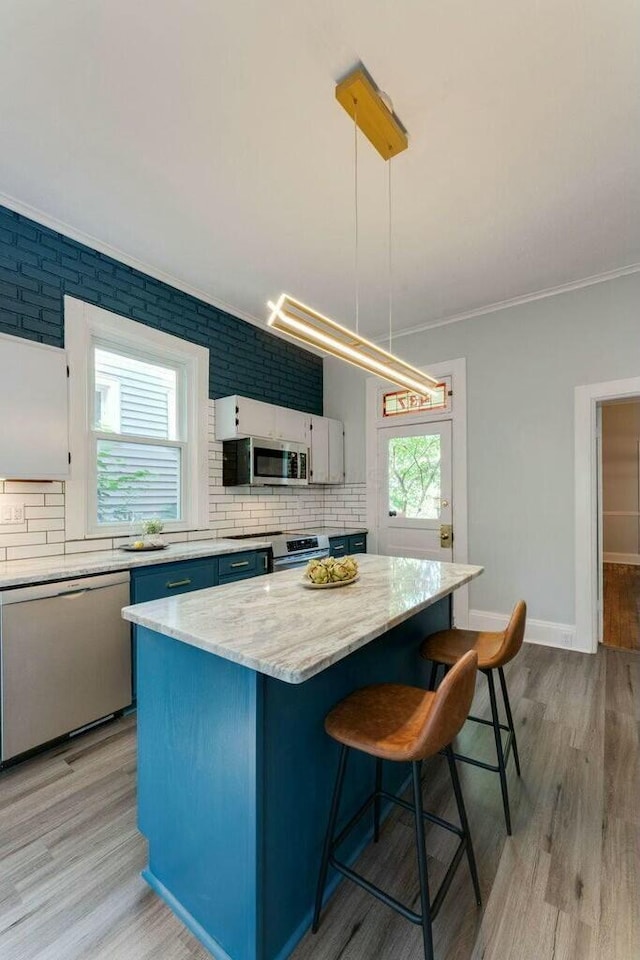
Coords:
pixel 264 463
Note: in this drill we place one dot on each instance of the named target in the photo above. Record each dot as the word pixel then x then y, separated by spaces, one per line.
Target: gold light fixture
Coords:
pixel 306 325
pixel 373 114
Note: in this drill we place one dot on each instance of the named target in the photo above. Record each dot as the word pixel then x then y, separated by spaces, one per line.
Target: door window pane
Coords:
pixel 414 477
pixel 134 397
pixel 137 481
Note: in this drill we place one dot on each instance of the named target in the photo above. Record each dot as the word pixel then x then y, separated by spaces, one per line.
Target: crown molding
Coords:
pixel 60 226
pixel 517 301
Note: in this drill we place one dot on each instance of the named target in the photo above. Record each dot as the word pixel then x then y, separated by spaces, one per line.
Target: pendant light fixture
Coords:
pixel 375 118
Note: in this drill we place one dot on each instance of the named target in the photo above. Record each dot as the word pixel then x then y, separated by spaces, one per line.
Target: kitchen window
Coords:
pixel 138 431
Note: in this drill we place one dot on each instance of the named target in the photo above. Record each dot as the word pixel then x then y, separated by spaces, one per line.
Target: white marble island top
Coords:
pixel 274 625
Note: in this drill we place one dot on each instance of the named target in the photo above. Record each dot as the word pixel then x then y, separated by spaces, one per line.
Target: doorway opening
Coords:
pixel 619 499
pixel 589 506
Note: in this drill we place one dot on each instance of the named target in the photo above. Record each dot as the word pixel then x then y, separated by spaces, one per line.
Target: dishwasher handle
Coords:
pixel 63 588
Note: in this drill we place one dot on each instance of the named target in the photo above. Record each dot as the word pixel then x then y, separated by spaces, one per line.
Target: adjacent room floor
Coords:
pixel 566 885
pixel 621 607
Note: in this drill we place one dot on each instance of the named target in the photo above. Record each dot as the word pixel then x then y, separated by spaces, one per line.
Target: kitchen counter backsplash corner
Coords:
pixel 246 510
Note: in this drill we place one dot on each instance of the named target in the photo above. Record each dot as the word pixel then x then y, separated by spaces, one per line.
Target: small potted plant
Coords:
pixel 151 530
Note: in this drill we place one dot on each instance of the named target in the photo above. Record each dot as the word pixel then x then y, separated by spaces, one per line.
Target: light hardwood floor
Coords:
pixel 621 608
pixel 566 886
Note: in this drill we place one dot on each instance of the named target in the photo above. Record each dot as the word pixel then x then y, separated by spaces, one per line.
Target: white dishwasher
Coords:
pixel 65 658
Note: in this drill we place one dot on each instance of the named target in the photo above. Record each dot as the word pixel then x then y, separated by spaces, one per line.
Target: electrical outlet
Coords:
pixel 566 639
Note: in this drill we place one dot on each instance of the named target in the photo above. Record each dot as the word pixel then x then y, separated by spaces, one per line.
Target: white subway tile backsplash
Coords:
pixel 231 511
pixel 30 553
pixel 43 513
pixel 21 539
pixel 86 546
pixel 56 523
pixel 27 486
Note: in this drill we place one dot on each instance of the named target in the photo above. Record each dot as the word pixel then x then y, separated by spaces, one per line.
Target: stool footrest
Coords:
pixel 390 901
pixel 439 822
pixel 488 723
pixel 493 767
pixel 375 891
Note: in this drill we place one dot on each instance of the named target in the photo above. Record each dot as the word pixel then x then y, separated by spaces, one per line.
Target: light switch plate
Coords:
pixel 12 513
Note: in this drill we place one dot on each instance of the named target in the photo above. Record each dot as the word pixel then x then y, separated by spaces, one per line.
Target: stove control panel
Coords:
pixel 303 543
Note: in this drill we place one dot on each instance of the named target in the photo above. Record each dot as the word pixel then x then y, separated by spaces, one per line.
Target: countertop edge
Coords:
pixel 131 614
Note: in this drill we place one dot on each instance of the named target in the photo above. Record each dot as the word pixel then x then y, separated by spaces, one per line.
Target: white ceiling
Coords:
pixel 203 139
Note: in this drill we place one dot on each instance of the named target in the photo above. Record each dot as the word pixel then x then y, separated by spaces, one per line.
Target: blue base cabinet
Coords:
pixel 170 579
pixel 345 546
pixel 235 781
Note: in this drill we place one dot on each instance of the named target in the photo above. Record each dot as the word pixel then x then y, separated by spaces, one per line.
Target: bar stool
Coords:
pixel 400 723
pixel 494 651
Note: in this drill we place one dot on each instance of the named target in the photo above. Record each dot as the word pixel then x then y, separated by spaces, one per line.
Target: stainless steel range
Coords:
pixel 291 548
pixel 296 548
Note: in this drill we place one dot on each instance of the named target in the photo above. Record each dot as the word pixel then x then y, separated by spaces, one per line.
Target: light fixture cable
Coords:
pixel 355 192
pixel 390 259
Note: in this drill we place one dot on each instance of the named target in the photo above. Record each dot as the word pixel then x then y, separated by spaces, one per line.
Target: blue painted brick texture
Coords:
pixel 38 266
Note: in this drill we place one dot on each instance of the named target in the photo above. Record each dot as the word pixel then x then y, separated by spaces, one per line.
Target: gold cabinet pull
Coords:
pixel 172 584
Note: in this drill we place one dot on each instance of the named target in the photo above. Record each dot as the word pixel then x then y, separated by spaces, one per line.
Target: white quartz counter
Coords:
pixel 19 573
pixel 274 625
pixel 15 573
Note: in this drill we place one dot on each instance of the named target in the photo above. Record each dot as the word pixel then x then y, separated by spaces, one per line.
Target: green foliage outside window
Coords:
pixel 414 477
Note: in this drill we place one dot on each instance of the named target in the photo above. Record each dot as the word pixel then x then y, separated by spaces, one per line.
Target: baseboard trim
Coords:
pixel 631 558
pixel 543 632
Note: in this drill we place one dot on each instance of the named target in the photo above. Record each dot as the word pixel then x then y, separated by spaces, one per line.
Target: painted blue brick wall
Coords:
pixel 38 266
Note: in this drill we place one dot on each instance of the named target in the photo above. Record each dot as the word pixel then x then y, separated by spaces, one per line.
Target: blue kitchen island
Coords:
pixel 235 769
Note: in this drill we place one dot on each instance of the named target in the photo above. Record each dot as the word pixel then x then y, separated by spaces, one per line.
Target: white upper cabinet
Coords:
pixel 34 429
pixel 327 450
pixel 242 417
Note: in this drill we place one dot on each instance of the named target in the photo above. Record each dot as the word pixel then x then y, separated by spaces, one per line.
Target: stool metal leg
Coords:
pixel 498 737
pixel 376 802
pixel 464 823
pixel 328 840
pixel 507 706
pixel 427 935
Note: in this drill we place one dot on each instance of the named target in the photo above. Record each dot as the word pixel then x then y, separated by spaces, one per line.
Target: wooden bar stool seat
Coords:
pixel 402 724
pixel 494 650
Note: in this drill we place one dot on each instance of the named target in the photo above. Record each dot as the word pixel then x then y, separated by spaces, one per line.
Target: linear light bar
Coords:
pixel 302 323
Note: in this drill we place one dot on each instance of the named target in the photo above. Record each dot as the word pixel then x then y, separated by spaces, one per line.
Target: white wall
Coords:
pixel 620 479
pixel 522 366
pixel 344 399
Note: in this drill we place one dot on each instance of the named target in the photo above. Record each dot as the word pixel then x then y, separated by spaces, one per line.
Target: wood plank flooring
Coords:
pixel 566 886
pixel 621 606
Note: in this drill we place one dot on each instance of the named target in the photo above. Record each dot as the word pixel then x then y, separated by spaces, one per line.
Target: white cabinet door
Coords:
pixel 34 429
pixel 327 450
pixel 292 425
pixel 319 450
pixel 256 419
pixel 336 451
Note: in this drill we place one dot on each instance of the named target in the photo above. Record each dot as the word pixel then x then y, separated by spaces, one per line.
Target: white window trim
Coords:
pixel 85 322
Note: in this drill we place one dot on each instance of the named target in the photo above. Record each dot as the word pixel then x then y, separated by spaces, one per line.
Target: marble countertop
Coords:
pixel 20 573
pixel 16 573
pixel 274 625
